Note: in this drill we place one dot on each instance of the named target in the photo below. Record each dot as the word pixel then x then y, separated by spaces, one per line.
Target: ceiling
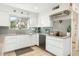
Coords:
pixel 34 7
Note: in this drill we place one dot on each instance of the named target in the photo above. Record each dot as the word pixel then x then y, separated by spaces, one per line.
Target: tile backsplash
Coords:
pixel 46 29
pixel 6 30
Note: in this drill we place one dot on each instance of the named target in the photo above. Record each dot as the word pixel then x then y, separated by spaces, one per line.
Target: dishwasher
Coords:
pixel 42 41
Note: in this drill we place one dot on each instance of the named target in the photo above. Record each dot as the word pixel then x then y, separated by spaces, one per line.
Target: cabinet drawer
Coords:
pixel 55 43
pixel 54 50
pixel 54 38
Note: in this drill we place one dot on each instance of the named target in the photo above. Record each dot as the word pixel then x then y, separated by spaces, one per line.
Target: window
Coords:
pixel 18 22
pixel 13 20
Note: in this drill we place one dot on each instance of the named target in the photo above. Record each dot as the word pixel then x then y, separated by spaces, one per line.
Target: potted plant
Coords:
pixel 68 30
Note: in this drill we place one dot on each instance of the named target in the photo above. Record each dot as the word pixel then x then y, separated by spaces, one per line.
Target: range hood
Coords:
pixel 60 14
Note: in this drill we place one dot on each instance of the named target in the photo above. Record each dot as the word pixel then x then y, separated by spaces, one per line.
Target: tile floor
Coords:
pixel 33 51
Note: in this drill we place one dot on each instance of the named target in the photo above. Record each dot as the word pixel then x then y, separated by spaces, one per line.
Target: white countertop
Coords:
pixel 58 36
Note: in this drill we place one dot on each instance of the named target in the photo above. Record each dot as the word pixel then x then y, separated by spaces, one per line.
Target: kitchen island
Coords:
pixel 14 42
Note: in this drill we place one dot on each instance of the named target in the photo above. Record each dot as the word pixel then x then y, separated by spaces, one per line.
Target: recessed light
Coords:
pixel 21 12
pixel 36 8
pixel 14 10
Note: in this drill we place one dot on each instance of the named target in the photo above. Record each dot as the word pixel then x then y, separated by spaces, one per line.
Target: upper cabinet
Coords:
pixel 4 19
pixel 33 21
pixel 44 20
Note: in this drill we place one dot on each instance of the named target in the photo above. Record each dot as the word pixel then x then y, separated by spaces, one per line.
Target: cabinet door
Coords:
pixel 10 43
pixel 23 41
pixel 4 19
pixel 54 46
pixel 35 39
pixel 54 50
pixel 9 47
pixel 10 39
pixel 27 41
pixel 33 20
pixel 55 43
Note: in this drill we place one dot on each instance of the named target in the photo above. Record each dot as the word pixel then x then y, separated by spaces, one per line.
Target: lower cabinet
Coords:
pixel 23 41
pixel 54 50
pixel 19 41
pixel 35 39
pixel 58 46
pixel 10 47
pixel 10 43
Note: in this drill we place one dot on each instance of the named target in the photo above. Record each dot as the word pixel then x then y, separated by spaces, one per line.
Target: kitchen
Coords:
pixel 48 29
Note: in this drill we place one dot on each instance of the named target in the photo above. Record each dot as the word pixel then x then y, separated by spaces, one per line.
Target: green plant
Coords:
pixel 69 29
pixel 13 24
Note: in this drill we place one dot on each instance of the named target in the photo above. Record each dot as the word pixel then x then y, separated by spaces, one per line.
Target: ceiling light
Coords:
pixel 36 8
pixel 21 12
pixel 14 10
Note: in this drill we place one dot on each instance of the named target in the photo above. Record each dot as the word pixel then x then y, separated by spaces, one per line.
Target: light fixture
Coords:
pixel 21 12
pixel 35 8
pixel 14 10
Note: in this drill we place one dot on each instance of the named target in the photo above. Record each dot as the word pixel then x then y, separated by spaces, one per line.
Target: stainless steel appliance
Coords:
pixel 42 41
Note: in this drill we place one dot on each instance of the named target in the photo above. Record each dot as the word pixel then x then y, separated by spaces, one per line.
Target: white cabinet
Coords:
pixel 58 46
pixel 33 20
pixel 10 43
pixel 23 41
pixel 35 39
pixel 4 19
pixel 44 20
pixel 16 42
pixel 19 41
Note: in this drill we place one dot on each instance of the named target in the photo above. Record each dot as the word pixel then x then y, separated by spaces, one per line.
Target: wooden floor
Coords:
pixel 33 51
pixel 75 52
